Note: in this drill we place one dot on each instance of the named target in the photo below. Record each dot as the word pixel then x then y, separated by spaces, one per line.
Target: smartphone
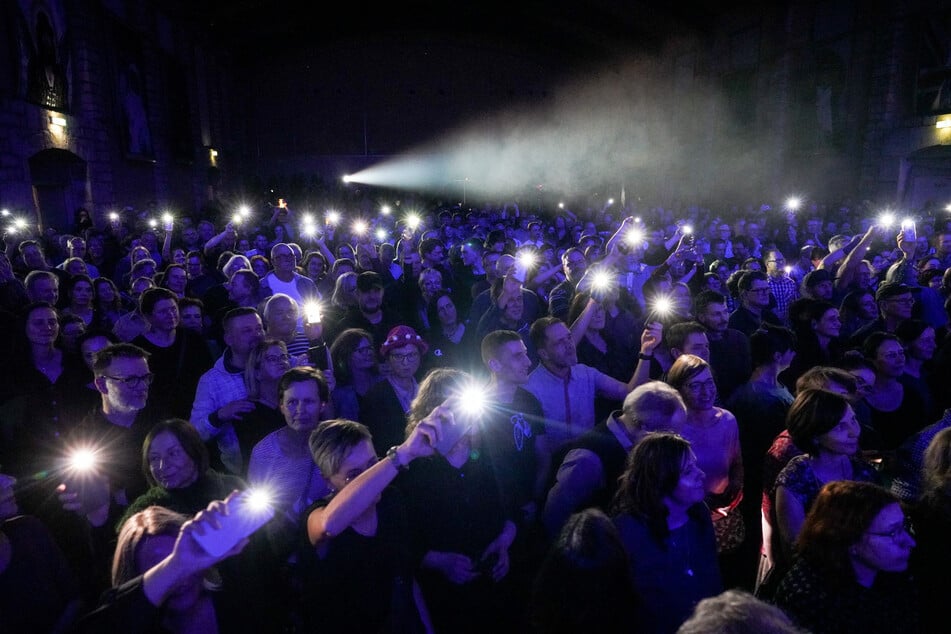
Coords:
pixel 245 515
pixel 909 230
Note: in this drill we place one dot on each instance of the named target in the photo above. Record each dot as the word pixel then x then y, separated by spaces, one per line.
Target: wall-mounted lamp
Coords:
pixel 944 123
pixel 58 121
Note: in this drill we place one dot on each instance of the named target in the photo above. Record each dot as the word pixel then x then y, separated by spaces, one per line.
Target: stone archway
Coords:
pixel 926 178
pixel 59 187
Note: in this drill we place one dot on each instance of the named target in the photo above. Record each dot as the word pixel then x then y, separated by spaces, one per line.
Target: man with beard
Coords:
pixel 370 313
pixel 730 356
pixel 565 388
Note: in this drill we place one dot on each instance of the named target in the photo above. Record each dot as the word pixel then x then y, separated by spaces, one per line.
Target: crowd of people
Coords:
pixel 478 419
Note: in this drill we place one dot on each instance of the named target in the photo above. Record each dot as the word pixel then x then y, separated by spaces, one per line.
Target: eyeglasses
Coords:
pixel 133 381
pixel 277 358
pixel 403 358
pixel 905 527
pixel 696 386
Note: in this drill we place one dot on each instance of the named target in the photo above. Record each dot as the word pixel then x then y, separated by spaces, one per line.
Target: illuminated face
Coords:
pixel 193 267
pixel 191 318
pixel 823 290
pixel 758 294
pixel 404 361
pixel 828 325
pixel 169 463
pixel 33 258
pixel 370 300
pixel 890 359
pixel 282 317
pixel 514 309
pixel 301 406
pixel 164 317
pixel 243 333
pixel 363 356
pixel 430 283
pixel 697 344
pixel 81 294
pixel 45 289
pixel 700 391
pixel 446 310
pixel 886 545
pixel 282 259
pixel 899 306
pixel 178 256
pixel 125 396
pixel 843 439
pixel 42 327
pixel 716 317
pixel 273 364
pixel 574 265
pixel 775 263
pixel 175 280
pixel 360 458
pixel 90 347
pixel 315 268
pixel 76 267
pixel 690 486
pixel 511 363
pixel 559 350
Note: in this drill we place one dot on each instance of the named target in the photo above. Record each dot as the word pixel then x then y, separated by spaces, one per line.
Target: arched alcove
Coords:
pixel 59 186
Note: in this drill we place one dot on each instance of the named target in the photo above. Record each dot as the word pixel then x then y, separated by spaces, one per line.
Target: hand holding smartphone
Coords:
pixel 247 512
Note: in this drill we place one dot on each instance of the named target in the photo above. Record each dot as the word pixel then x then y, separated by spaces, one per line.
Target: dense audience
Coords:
pixel 478 419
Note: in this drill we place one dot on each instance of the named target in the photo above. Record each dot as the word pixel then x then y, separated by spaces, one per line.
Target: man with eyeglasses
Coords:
pixel 781 286
pixel 753 310
pixel 117 428
pixel 895 303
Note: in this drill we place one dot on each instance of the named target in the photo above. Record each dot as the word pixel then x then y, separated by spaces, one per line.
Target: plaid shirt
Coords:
pixel 784 290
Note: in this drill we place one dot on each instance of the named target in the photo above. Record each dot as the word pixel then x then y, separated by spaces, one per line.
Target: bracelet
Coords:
pixel 645 357
pixel 395 458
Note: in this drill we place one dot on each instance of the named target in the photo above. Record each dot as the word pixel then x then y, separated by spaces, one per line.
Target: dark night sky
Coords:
pixel 564 32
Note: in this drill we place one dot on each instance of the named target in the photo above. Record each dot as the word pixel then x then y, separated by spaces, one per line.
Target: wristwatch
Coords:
pixel 395 459
pixel 645 357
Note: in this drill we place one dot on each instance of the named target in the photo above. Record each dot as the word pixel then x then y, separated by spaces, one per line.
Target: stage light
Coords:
pixel 346 178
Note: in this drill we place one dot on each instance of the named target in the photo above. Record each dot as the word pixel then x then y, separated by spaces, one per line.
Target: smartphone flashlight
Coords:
pixel 887 220
pixel 259 500
pixel 600 281
pixel 333 217
pixel 662 306
pixel 167 218
pixel 412 221
pixel 312 312
pixel 635 237
pixel 82 460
